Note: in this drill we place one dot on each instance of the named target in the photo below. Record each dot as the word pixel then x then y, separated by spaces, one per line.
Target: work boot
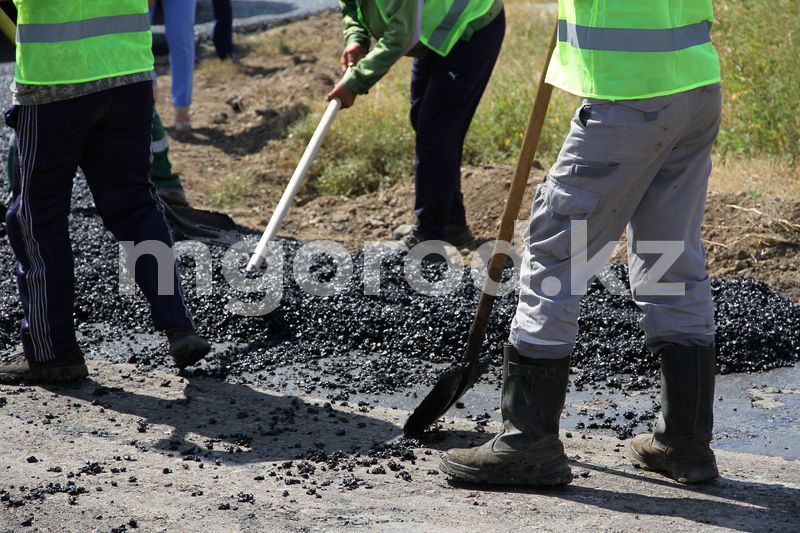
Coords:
pixel 459 235
pixel 17 368
pixel 419 236
pixel 186 347
pixel 527 451
pixel 416 236
pixel 680 447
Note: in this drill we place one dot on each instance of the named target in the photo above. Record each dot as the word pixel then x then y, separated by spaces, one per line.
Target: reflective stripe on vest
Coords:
pixel 628 49
pixel 439 35
pixel 443 21
pixel 82 29
pixel 634 40
pixel 76 41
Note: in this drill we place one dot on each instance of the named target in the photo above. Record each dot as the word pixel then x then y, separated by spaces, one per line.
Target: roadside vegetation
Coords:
pixel 371 145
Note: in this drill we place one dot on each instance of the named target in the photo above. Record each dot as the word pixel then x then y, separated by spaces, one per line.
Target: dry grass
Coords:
pixel 372 145
pixel 758 177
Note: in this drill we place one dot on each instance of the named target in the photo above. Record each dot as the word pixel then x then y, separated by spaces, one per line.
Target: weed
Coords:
pixel 231 190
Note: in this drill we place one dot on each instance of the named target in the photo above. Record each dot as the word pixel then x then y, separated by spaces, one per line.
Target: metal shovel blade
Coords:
pixel 207 227
pixel 445 393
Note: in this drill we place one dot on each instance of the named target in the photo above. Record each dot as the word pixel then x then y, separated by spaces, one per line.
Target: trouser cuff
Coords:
pixel 656 344
pixel 540 351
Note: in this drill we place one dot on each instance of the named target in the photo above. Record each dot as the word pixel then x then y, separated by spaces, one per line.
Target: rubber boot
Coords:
pixel 527 451
pixel 680 446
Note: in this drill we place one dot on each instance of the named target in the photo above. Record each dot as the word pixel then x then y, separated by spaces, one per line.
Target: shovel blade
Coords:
pixel 444 394
pixel 208 227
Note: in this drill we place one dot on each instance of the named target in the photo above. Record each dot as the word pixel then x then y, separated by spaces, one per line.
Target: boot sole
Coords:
pixel 690 472
pixel 554 473
pixel 47 375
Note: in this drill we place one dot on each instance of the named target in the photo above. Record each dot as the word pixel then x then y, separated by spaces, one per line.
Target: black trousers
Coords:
pixel 223 28
pixel 445 92
pixel 107 135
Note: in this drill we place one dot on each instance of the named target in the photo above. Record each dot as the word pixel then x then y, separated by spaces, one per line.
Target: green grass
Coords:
pixel 758 42
pixel 371 145
pixel 232 190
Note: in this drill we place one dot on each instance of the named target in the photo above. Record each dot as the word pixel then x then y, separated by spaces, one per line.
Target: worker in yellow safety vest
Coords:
pixel 455 44
pixel 638 155
pixel 83 97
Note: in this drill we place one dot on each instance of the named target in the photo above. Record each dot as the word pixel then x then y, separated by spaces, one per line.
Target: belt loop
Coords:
pixel 650 116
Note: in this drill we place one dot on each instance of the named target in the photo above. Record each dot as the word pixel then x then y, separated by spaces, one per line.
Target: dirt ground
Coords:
pixel 228 161
pixel 162 453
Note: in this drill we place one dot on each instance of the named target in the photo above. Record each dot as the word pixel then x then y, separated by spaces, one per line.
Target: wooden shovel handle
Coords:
pixel 530 142
pixel 7 27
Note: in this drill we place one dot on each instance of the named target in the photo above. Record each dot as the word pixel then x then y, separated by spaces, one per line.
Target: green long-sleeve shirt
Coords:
pixel 394 39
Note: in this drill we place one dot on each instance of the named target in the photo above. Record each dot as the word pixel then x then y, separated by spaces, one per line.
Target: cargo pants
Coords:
pixel 643 164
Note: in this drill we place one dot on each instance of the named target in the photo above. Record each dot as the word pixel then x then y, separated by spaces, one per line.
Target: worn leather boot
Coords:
pixel 527 451
pixel 16 368
pixel 186 347
pixel 680 447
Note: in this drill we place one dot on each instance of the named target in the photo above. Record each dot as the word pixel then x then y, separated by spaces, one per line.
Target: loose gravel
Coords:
pixel 357 343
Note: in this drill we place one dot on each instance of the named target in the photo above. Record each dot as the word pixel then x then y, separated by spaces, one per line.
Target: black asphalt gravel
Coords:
pixel 354 343
pixel 357 343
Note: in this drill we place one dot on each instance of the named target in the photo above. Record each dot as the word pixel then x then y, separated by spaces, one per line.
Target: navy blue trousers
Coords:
pixel 223 28
pixel 107 135
pixel 445 91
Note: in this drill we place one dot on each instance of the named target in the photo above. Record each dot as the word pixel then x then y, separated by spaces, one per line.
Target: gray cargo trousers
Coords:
pixel 643 164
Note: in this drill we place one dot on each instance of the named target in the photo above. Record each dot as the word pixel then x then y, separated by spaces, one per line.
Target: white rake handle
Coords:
pixel 295 183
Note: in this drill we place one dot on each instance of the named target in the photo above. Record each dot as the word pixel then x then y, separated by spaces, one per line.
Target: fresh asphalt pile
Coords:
pixel 357 343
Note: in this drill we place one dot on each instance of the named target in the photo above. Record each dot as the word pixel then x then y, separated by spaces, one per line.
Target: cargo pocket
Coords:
pixel 644 127
pixel 555 207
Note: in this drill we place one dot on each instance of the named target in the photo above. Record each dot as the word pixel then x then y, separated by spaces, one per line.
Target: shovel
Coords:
pixel 7 27
pixel 457 380
pixel 209 227
pixel 295 183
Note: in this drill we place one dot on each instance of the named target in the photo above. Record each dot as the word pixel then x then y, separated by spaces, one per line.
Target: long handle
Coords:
pixel 530 142
pixel 295 183
pixel 7 27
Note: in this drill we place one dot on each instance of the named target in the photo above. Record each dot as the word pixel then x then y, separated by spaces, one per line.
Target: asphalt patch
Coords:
pixel 356 343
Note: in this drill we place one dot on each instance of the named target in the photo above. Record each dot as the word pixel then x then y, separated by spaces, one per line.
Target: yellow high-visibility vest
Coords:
pixel 628 49
pixel 75 41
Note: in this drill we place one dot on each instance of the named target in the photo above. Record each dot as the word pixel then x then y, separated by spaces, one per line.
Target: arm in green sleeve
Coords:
pixel 400 36
pixel 354 31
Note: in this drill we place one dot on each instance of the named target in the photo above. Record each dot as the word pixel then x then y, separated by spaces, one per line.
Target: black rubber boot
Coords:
pixel 527 451
pixel 186 347
pixel 16 368
pixel 680 446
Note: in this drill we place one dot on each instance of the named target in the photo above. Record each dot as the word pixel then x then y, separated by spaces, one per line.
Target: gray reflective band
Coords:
pixel 82 29
pixel 449 20
pixel 634 40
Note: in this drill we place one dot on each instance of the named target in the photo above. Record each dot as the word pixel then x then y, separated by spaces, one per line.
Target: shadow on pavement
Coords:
pixel 733 504
pixel 238 424
pixel 739 505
